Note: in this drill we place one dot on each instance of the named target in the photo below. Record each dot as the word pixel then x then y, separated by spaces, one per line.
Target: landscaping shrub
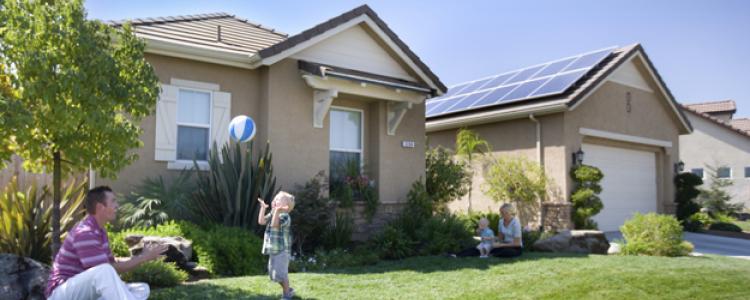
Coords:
pixel 154 202
pixel 585 197
pixel 222 250
pixel 685 194
pixel 715 199
pixel 530 237
pixel 654 234
pixel 333 259
pixel 26 217
pixel 236 251
pixel 443 233
pixel 394 243
pixel 515 179
pixel 117 244
pixel 700 221
pixel 721 226
pixel 157 274
pixel 472 220
pixel 446 179
pixel 312 214
pixel 227 194
pixel 339 234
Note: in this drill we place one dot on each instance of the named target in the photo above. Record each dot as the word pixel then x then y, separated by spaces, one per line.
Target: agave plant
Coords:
pixel 227 193
pixel 26 216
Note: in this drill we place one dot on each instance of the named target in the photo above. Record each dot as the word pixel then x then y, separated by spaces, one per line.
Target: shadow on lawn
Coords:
pixel 209 291
pixel 429 264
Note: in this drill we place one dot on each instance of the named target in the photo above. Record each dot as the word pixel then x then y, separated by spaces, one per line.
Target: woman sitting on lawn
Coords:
pixel 508 236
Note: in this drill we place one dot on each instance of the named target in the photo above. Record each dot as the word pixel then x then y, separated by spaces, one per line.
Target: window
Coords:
pixel 747 172
pixel 345 143
pixel 724 172
pixel 697 171
pixel 193 124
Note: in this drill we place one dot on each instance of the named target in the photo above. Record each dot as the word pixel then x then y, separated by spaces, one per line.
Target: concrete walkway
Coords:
pixel 708 244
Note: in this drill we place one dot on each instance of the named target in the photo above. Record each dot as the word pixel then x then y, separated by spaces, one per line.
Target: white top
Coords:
pixel 512 231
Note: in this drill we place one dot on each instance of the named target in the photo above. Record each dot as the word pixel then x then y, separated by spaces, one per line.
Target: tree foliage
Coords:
pixel 446 178
pixel 585 197
pixel 515 178
pixel 685 194
pixel 715 198
pixel 469 143
pixel 81 89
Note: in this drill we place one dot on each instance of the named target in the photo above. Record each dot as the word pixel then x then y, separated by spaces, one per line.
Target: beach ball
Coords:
pixel 242 129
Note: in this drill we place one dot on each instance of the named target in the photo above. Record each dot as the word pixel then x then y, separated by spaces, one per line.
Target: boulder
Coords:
pixel 22 278
pixel 180 250
pixel 575 241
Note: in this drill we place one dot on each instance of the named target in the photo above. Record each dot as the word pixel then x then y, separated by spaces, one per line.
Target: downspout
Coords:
pixel 538 139
pixel 541 163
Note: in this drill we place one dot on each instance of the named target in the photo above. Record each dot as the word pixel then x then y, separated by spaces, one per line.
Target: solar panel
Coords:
pixel 541 80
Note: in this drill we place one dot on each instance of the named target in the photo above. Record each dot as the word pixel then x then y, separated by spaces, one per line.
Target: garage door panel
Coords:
pixel 629 183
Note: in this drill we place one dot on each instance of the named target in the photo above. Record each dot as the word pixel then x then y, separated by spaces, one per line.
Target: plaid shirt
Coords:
pixel 276 240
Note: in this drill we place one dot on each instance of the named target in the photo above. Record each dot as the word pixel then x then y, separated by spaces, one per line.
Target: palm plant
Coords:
pixel 156 201
pixel 469 143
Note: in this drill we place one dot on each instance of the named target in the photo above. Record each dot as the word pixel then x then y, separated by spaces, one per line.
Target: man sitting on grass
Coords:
pixel 85 268
pixel 277 240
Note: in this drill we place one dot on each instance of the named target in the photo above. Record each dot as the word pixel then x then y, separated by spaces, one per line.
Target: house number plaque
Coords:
pixel 408 144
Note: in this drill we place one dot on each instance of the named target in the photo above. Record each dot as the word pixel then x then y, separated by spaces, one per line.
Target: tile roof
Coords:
pixel 714 106
pixel 727 125
pixel 220 31
pixel 743 123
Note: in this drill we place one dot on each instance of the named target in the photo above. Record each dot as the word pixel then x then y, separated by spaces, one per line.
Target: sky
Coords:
pixel 700 48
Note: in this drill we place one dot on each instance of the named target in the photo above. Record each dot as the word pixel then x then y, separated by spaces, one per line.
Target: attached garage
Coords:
pixel 610 104
pixel 629 184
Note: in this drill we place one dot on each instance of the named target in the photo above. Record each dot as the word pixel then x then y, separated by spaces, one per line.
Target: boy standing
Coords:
pixel 277 241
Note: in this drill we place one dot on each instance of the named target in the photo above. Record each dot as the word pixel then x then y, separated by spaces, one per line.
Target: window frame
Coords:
pixel 731 175
pixel 361 150
pixel 747 173
pixel 194 125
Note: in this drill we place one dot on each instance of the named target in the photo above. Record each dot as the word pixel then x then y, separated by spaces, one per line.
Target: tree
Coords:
pixel 585 196
pixel 685 194
pixel 447 179
pixel 469 143
pixel 715 199
pixel 516 179
pixel 83 88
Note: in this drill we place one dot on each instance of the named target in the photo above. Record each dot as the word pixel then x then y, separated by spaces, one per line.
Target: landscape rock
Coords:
pixel 180 250
pixel 22 278
pixel 575 241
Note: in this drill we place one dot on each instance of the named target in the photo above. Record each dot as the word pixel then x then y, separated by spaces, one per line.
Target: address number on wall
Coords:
pixel 408 144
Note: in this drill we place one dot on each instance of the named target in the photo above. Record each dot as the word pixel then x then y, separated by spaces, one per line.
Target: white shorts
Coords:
pixel 486 246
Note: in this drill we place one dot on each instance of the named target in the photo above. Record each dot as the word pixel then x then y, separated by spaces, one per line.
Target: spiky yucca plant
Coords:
pixel 227 193
pixel 26 216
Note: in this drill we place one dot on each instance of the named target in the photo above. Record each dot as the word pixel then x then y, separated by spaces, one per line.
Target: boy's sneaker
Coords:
pixel 483 256
pixel 288 296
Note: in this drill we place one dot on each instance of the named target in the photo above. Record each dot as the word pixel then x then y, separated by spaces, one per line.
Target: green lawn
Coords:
pixel 534 276
pixel 745 225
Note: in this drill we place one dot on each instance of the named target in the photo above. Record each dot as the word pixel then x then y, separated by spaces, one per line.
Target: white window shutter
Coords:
pixel 222 108
pixel 166 124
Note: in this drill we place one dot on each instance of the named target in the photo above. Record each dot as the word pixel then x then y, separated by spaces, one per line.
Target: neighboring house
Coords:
pixel 718 141
pixel 347 89
pixel 611 104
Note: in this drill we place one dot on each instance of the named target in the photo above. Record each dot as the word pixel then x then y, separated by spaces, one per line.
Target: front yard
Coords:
pixel 534 276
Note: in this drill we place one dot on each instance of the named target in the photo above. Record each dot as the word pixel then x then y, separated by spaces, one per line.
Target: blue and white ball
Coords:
pixel 242 129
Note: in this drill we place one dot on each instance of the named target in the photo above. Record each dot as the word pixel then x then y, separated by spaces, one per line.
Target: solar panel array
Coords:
pixel 537 81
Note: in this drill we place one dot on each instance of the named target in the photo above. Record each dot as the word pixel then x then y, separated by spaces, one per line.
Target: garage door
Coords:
pixel 629 183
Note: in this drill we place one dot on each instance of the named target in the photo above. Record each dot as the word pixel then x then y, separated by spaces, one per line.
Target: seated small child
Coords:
pixel 487 236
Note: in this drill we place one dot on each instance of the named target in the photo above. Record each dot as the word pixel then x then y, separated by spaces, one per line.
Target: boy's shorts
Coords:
pixel 278 266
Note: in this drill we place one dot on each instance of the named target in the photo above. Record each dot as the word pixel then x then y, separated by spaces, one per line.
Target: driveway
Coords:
pixel 708 244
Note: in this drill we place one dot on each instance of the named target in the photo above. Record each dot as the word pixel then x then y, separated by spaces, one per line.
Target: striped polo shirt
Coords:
pixel 86 246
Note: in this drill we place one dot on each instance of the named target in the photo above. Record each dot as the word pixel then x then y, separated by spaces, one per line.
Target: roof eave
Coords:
pixel 178 49
pixel 509 113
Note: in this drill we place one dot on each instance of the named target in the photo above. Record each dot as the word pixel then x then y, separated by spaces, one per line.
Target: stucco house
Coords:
pixel 348 89
pixel 718 141
pixel 610 104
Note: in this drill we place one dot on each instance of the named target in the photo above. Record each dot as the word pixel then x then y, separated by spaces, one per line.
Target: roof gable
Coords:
pixel 740 127
pixel 362 15
pixel 355 49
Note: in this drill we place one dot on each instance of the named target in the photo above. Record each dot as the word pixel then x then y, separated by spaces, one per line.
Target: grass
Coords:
pixel 534 276
pixel 745 225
